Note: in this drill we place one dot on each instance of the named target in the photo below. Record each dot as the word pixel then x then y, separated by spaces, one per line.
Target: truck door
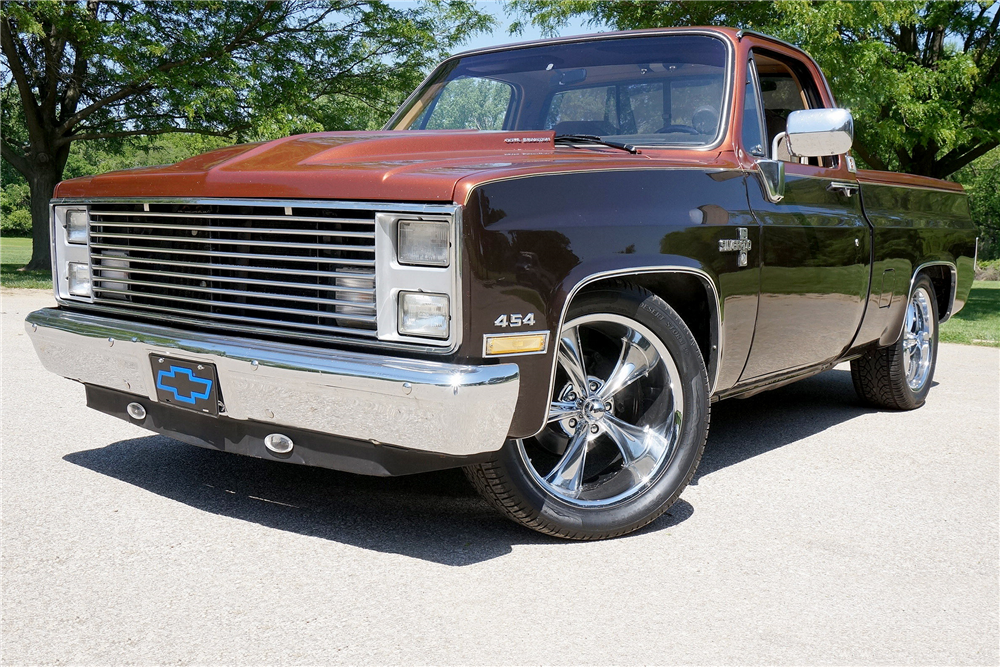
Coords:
pixel 815 241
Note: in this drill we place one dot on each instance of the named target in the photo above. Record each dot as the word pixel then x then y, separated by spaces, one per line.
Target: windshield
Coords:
pixel 667 90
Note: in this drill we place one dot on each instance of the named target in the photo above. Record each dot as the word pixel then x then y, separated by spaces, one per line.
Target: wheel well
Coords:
pixel 687 294
pixel 941 278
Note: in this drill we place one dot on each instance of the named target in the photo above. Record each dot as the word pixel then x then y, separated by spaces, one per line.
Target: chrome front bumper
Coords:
pixel 429 406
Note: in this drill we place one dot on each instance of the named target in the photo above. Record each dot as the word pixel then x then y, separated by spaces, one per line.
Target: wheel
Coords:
pixel 626 426
pixel 899 376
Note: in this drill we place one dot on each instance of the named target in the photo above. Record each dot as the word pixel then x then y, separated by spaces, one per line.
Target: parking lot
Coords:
pixel 816 531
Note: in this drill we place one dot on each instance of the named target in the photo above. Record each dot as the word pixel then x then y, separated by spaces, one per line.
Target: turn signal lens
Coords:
pixel 76 225
pixel 78 277
pixel 423 314
pixel 520 344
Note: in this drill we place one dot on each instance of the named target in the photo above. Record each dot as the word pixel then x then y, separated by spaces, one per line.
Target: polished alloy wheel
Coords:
pixel 918 339
pixel 615 416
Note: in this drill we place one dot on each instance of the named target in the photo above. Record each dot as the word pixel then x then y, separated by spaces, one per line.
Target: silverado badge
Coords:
pixel 741 245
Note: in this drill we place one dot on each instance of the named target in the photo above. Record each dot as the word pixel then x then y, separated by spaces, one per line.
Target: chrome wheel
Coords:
pixel 615 417
pixel 918 339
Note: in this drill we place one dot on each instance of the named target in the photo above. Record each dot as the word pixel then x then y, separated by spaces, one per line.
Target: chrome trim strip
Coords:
pixel 364 337
pixel 716 349
pixel 724 112
pixel 228 279
pixel 234 255
pixel 954 290
pixel 933 188
pixel 435 407
pixel 296 203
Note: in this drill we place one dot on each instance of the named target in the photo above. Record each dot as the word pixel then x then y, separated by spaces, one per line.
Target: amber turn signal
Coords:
pixel 516 344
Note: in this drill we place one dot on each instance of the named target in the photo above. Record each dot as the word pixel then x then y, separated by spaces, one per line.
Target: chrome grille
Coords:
pixel 282 269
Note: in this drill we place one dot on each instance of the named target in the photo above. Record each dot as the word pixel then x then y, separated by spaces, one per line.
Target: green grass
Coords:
pixel 14 254
pixel 979 322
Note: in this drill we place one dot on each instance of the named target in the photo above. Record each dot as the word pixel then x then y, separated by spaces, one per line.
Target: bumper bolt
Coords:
pixel 407 388
pixel 136 411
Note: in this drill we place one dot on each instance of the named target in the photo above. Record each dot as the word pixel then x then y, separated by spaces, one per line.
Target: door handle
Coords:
pixel 847 189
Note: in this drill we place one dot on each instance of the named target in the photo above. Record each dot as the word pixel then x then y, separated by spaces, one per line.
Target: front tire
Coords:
pixel 627 423
pixel 899 377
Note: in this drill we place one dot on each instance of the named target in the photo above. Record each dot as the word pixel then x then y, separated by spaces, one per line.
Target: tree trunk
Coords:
pixel 41 183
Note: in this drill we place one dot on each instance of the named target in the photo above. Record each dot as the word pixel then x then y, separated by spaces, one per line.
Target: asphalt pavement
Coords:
pixel 816 531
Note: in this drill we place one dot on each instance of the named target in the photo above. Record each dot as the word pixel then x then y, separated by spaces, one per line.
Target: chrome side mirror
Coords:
pixel 819 132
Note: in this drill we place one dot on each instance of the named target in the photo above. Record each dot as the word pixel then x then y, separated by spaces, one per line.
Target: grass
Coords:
pixel 979 322
pixel 14 254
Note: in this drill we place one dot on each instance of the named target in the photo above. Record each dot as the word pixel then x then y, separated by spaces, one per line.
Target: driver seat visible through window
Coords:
pixel 782 93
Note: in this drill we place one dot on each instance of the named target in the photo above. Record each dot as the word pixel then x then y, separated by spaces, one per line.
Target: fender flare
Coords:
pixel 717 333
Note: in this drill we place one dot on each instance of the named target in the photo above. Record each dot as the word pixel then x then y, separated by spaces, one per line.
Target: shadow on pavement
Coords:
pixel 438 516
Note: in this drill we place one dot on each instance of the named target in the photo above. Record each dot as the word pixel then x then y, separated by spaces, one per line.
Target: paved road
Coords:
pixel 816 532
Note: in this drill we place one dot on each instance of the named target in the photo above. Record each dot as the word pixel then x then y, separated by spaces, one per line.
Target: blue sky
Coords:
pixel 502 36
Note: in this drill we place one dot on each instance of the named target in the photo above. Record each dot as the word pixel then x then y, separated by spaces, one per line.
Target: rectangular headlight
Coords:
pixel 423 242
pixel 423 314
pixel 76 225
pixel 78 276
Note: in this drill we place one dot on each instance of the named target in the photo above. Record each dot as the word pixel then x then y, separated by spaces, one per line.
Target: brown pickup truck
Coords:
pixel 545 269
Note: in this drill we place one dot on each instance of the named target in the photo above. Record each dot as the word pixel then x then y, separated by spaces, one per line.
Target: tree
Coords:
pixel 982 181
pixel 114 71
pixel 922 78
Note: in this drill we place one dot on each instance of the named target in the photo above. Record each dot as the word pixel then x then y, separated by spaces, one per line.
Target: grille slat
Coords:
pixel 248 269
pixel 257 230
pixel 230 292
pixel 255 281
pixel 226 216
pixel 236 255
pixel 230 265
pixel 214 241
pixel 236 318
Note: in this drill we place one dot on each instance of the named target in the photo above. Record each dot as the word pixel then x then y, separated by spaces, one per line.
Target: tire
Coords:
pixel 899 377
pixel 616 453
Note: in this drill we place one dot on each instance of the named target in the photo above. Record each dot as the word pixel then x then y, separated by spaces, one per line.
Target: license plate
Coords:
pixel 186 384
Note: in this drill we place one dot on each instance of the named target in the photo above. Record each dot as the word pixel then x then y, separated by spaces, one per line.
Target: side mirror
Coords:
pixel 819 132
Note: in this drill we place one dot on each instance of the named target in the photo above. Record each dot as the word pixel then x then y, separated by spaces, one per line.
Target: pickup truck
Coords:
pixel 545 269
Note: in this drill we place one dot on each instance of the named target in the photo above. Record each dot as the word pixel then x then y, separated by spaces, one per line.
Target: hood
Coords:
pixel 425 166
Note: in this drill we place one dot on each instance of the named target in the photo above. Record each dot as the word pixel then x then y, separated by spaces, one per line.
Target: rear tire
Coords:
pixel 899 377
pixel 627 423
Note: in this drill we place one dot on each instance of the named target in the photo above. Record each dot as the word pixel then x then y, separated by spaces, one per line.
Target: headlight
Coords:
pixel 423 242
pixel 76 225
pixel 423 314
pixel 79 279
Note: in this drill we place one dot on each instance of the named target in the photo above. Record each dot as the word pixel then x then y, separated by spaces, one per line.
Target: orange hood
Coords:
pixel 426 166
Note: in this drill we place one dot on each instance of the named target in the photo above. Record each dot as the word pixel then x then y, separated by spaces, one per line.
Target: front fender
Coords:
pixel 532 243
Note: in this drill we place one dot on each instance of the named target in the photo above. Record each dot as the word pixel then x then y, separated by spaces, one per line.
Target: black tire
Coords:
pixel 881 375
pixel 520 494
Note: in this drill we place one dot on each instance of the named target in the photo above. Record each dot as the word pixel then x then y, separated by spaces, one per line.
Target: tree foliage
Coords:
pixel 922 78
pixel 982 181
pixel 112 71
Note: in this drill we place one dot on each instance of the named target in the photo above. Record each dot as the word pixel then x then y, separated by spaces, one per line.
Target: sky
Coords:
pixel 502 36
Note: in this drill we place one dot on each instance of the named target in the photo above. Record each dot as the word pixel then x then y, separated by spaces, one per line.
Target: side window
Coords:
pixel 754 140
pixel 785 87
pixel 469 104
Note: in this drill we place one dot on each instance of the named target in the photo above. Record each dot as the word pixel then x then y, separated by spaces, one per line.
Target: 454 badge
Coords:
pixel 186 384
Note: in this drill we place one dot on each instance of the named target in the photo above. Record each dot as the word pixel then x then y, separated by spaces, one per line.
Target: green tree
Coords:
pixel 982 181
pixel 922 78
pixel 112 71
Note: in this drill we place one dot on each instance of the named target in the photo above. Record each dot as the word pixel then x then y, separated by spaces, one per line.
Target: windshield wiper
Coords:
pixel 594 139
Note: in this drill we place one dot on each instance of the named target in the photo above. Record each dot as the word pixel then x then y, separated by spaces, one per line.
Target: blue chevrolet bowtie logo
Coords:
pixel 184 385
